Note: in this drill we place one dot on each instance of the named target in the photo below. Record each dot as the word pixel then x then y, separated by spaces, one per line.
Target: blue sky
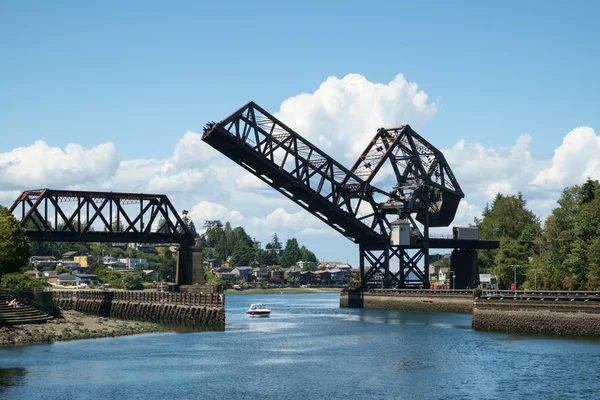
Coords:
pixel 140 74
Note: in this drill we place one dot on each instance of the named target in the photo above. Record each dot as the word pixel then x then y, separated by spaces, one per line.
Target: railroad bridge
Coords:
pixel 425 191
pixel 112 217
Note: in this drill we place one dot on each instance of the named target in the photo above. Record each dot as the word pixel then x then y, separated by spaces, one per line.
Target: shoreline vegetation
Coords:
pixel 74 326
pixel 283 290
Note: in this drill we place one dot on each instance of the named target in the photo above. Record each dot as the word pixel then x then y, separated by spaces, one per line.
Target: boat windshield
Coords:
pixel 256 307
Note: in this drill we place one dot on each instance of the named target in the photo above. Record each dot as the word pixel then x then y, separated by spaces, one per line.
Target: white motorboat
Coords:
pixel 258 310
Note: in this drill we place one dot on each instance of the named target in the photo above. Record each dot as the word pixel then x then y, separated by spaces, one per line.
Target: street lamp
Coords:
pixel 453 280
pixel 515 272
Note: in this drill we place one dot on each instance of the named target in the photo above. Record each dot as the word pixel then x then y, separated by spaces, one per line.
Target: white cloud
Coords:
pixel 574 160
pixel 344 114
pixel 40 165
pixel 206 211
pixel 339 117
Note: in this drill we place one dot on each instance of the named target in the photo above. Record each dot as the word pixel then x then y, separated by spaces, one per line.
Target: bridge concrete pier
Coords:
pixel 463 265
pixel 190 266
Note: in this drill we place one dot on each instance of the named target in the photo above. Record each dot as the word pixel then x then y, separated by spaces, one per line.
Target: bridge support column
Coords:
pixel 190 267
pixel 464 265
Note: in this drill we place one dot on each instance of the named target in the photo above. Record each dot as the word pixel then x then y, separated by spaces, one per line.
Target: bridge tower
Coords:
pixel 425 188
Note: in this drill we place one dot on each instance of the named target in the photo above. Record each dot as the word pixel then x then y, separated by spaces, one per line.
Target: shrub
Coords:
pixel 21 281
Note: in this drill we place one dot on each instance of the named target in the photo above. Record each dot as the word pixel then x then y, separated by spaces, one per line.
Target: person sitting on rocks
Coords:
pixel 14 303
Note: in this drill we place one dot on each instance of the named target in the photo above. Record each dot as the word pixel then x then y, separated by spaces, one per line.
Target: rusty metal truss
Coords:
pixel 346 199
pixel 46 215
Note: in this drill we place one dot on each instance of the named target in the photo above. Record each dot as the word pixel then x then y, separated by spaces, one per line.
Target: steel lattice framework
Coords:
pixel 46 217
pixel 346 199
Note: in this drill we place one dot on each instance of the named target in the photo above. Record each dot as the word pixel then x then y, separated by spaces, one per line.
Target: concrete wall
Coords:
pixel 408 300
pixel 146 306
pixel 554 313
pixel 537 321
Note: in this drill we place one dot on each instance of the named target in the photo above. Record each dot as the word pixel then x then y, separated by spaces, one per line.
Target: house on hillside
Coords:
pixel 304 265
pixel 307 277
pixel 277 276
pixel 69 255
pixel 323 277
pixel 67 280
pixel 243 272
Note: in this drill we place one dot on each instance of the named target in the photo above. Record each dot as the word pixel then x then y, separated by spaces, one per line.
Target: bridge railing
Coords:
pixel 185 299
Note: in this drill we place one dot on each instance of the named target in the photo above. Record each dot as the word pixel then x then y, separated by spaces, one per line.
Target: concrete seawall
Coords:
pixel 193 308
pixel 554 313
pixel 409 300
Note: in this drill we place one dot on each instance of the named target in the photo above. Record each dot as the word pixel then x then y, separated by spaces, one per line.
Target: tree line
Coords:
pixel 561 254
pixel 236 247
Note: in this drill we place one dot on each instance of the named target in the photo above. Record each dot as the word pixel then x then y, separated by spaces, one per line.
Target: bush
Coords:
pixel 477 292
pixel 21 281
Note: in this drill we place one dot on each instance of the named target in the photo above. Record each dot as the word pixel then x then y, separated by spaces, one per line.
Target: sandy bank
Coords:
pixel 74 325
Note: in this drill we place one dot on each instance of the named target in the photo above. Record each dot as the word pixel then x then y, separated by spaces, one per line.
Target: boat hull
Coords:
pixel 258 313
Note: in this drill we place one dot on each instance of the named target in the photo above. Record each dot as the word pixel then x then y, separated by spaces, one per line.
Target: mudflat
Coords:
pixel 73 325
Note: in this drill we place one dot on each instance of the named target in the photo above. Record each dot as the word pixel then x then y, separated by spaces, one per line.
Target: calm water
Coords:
pixel 308 349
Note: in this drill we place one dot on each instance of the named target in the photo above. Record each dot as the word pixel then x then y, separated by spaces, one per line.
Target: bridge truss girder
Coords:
pixel 345 199
pixel 46 216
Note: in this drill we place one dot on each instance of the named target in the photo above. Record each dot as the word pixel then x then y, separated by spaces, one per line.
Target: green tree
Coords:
pixel 291 253
pixel 187 220
pixel 307 255
pixel 510 254
pixel 275 243
pixel 21 281
pixel 15 247
pixel 507 218
pixel 243 254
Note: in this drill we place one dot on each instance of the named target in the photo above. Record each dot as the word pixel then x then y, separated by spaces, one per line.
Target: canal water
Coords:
pixel 309 349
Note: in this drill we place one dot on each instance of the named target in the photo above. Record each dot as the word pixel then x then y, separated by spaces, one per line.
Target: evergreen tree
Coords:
pixel 291 253
pixel 15 246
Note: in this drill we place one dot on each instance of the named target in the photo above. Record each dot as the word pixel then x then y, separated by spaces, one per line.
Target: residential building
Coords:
pixel 291 273
pixel 34 259
pixel 243 272
pixel 278 276
pixel 68 255
pixel 228 276
pixel 67 280
pixel 307 277
pixel 88 279
pixel 82 260
pixel 43 263
pixel 80 270
pixel 70 264
pixel 308 264
pixel 116 266
pixel 134 263
pixel 340 275
pixel 34 274
pixel 261 273
pixel 443 274
pixel 323 277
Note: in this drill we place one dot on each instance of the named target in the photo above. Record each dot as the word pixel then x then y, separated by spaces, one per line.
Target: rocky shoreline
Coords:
pixel 72 326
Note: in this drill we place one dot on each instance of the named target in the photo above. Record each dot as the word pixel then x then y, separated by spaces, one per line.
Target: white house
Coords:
pixel 443 274
pixel 135 263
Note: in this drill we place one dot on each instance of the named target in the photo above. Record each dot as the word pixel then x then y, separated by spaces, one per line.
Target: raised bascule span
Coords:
pixel 347 200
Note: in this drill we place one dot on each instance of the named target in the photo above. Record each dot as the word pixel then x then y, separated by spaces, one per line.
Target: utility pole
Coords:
pixel 515 274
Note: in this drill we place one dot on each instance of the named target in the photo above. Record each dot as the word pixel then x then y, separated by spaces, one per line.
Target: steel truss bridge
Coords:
pixel 83 216
pixel 426 190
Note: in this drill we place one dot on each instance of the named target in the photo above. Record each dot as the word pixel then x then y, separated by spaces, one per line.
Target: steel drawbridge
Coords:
pixel 425 191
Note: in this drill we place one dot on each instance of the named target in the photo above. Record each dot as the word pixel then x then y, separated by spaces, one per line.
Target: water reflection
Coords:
pixel 189 327
pixel 10 377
